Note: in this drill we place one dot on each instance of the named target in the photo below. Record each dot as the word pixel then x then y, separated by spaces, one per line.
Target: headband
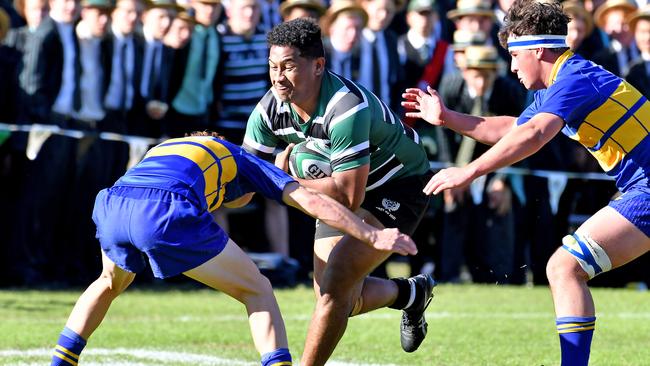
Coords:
pixel 536 41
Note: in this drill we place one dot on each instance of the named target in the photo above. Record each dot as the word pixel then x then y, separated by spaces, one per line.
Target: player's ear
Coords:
pixel 319 66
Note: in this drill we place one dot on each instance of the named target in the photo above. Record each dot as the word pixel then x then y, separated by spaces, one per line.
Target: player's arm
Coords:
pixel 347 187
pixel 521 142
pixel 429 107
pixel 326 209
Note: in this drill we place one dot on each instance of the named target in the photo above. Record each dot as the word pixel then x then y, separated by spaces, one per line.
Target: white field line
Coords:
pixel 431 314
pixel 144 357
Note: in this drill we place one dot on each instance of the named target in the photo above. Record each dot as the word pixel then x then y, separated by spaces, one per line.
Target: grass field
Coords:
pixel 468 325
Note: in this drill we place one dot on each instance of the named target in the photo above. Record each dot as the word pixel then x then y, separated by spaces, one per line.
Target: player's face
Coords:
pixel 295 79
pixel 527 66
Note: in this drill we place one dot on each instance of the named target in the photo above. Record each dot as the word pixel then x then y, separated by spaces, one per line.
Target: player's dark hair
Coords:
pixel 205 133
pixel 302 33
pixel 533 17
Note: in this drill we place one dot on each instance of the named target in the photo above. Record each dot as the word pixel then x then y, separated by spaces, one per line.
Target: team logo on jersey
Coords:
pixel 390 205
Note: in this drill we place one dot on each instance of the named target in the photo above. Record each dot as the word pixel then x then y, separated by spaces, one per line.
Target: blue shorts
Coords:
pixel 634 205
pixel 169 229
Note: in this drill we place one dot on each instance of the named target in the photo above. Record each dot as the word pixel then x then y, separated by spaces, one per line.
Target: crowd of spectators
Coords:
pixel 161 68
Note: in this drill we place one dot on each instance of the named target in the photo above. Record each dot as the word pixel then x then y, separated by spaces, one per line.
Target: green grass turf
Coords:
pixel 468 325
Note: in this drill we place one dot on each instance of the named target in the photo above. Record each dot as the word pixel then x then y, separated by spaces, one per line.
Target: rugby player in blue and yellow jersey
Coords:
pixel 588 104
pixel 161 210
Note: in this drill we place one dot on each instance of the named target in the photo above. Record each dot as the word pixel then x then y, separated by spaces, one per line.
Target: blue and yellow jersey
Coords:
pixel 601 111
pixel 206 170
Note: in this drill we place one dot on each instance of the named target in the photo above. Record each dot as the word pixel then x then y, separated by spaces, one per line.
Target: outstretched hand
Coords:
pixel 428 105
pixel 391 240
pixel 448 178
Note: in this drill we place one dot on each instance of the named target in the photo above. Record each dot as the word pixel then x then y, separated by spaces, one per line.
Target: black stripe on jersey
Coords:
pixel 259 154
pixel 378 174
pixel 351 157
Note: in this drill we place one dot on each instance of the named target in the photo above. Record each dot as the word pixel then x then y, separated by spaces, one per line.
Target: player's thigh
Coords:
pixel 349 263
pixel 119 278
pixel 619 238
pixel 232 272
pixel 324 246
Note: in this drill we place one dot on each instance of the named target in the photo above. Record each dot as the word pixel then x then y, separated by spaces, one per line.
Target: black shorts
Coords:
pixel 399 203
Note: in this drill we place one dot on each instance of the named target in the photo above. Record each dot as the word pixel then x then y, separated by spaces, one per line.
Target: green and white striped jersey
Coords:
pixel 356 126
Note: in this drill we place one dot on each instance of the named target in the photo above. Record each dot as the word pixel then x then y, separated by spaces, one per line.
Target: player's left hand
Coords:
pixel 448 178
pixel 282 159
pixel 391 240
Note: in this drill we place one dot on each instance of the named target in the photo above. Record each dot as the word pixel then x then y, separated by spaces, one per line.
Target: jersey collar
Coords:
pixel 558 65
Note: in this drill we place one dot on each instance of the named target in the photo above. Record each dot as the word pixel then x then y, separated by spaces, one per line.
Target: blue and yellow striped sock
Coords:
pixel 279 357
pixel 68 348
pixel 575 339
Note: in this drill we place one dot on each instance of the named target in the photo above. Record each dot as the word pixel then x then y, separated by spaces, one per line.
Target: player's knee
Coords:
pixel 585 260
pixel 114 284
pixel 260 287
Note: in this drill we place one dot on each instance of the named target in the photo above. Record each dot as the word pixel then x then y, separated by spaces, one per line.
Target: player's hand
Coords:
pixel 282 159
pixel 391 240
pixel 448 178
pixel 427 105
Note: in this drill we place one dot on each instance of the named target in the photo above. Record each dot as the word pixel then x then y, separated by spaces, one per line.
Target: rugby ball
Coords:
pixel 310 160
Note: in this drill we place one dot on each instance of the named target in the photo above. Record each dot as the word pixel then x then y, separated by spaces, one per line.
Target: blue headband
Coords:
pixel 536 41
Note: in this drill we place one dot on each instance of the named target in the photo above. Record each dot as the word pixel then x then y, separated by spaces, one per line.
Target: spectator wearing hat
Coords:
pixel 639 73
pixel 293 9
pixel 579 29
pixel 381 71
pixel 156 66
pixel 180 30
pixel 190 107
pixel 489 251
pixel 342 25
pixel 611 18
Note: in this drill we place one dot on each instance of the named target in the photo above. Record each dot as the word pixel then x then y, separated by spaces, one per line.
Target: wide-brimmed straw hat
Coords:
pixel 599 15
pixel 339 6
pixel 643 13
pixel 471 7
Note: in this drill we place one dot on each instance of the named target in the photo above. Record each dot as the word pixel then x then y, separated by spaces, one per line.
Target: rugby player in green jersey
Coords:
pixel 379 170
